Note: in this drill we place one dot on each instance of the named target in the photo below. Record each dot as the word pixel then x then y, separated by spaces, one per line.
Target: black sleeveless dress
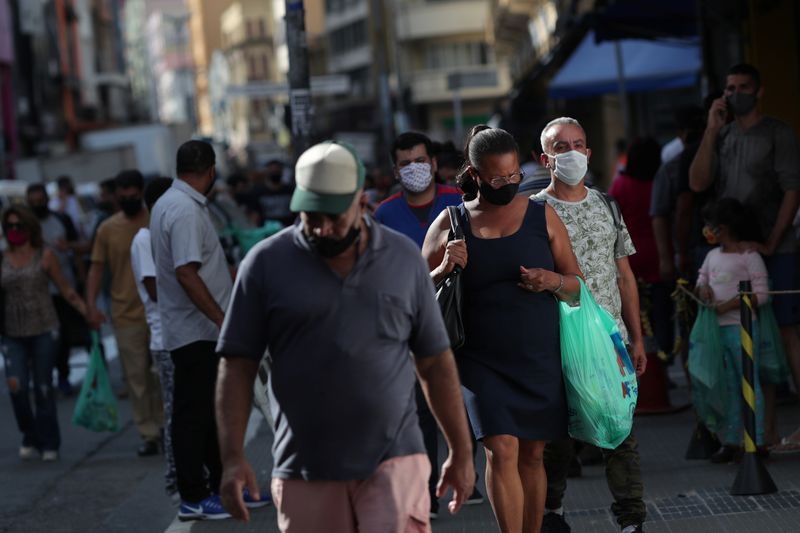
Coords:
pixel 510 364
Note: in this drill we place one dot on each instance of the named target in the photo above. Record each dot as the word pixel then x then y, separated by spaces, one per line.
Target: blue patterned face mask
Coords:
pixel 416 177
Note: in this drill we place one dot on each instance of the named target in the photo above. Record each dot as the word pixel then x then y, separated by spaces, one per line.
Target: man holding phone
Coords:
pixel 754 158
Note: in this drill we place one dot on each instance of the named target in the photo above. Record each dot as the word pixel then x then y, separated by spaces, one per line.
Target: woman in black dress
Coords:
pixel 520 263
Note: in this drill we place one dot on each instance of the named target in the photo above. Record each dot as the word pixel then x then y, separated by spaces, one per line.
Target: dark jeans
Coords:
pixel 194 428
pixel 26 357
pixel 73 331
pixel 623 475
pixel 661 314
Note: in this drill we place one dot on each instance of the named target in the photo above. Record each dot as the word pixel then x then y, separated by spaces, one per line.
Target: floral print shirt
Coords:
pixel 590 225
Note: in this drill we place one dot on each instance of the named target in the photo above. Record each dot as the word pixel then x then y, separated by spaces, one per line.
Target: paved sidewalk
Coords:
pixel 682 496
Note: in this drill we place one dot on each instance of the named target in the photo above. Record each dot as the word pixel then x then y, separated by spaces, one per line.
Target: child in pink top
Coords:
pixel 718 284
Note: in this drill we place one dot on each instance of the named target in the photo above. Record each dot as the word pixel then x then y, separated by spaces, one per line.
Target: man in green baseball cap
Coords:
pixel 329 197
pixel 340 301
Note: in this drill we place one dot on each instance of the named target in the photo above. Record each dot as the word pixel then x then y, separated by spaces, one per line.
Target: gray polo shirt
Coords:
pixel 756 166
pixel 342 381
pixel 182 233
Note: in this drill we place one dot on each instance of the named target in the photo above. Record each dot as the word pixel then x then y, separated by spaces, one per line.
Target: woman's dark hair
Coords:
pixel 29 220
pixel 738 218
pixel 482 141
pixel 644 158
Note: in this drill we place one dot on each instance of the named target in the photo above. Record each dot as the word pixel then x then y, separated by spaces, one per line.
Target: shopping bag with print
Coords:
pixel 707 369
pixel 599 376
pixel 96 408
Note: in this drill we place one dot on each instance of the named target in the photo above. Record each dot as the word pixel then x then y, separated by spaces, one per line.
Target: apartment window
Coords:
pixel 251 68
pixel 361 82
pixel 448 55
pixel 256 118
pixel 264 66
pixel 250 29
pixel 262 28
pixel 349 37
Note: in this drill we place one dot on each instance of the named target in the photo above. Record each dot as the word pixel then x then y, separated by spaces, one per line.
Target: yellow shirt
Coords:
pixel 112 247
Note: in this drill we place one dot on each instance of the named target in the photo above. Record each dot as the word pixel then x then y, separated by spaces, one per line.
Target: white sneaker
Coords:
pixel 26 453
pixel 49 456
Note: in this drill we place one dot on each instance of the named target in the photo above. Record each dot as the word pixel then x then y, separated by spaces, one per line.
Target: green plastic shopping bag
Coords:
pixel 707 369
pixel 249 237
pixel 771 355
pixel 599 376
pixel 96 408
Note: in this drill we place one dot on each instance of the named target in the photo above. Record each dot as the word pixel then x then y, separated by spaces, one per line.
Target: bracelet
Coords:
pixel 560 284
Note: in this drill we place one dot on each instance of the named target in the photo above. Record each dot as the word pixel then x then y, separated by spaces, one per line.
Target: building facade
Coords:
pixel 204 23
pixel 170 57
pixel 248 46
pixel 448 67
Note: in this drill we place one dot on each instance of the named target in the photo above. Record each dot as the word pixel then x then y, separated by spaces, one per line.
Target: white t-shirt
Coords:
pixel 144 267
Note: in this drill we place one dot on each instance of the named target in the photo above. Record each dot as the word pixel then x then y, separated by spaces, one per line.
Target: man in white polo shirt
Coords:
pixel 194 285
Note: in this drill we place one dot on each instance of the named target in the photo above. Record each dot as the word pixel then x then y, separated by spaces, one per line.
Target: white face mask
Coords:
pixel 416 177
pixel 570 167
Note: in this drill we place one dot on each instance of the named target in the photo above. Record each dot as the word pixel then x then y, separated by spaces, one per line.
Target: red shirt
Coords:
pixel 633 197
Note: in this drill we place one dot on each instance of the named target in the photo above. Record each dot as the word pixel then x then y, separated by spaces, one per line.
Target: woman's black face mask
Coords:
pixel 500 196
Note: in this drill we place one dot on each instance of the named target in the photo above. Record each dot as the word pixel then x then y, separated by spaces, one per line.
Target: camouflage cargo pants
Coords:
pixel 623 475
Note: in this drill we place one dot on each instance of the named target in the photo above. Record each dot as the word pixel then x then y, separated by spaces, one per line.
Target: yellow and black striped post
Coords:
pixel 753 477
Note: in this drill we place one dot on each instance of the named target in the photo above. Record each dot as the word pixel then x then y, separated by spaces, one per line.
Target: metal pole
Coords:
pixel 299 78
pixel 384 95
pixel 753 477
pixel 621 92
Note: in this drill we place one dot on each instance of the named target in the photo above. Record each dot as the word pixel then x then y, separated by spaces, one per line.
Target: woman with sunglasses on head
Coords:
pixel 520 263
pixel 30 330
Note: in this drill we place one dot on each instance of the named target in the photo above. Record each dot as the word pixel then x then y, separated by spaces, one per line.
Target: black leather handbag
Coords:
pixel 448 291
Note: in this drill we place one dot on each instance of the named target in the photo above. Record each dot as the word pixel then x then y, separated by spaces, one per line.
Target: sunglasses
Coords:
pixel 13 225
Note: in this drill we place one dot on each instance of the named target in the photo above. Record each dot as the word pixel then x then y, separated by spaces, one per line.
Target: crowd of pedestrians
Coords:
pixel 340 305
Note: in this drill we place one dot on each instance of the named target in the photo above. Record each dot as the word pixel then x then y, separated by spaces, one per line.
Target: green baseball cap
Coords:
pixel 327 177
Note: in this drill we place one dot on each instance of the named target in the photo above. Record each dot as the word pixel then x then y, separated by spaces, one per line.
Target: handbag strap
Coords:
pixel 456 230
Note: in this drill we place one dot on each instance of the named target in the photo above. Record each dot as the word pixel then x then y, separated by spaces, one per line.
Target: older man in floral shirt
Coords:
pixel 602 247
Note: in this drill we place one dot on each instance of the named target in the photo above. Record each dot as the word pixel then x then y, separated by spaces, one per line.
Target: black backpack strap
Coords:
pixel 616 215
pixel 613 206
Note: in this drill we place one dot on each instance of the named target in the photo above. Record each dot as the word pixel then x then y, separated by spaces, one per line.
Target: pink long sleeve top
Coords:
pixel 723 272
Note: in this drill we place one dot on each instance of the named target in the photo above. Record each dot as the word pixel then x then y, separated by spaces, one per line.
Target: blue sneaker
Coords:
pixel 208 509
pixel 252 503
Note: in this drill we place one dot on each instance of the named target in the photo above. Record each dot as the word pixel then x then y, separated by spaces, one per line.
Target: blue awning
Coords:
pixel 647 65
